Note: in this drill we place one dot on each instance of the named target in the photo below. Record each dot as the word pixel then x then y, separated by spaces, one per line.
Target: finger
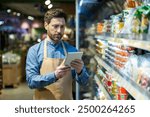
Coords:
pixel 76 63
pixel 64 68
pixel 76 66
pixel 77 60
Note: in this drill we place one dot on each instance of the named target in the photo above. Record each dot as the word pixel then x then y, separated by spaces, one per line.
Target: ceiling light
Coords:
pixel 14 13
pixel 50 6
pixel 1 22
pixel 8 10
pixel 18 14
pixel 25 25
pixel 30 18
pixel 12 36
pixel 47 2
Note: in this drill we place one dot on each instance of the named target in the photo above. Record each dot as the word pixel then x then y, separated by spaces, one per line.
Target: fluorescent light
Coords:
pixel 8 10
pixel 30 18
pixel 18 14
pixel 47 2
pixel 1 22
pixel 12 36
pixel 14 13
pixel 50 6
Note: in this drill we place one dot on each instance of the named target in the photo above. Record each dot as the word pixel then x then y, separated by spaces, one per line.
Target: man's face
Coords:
pixel 55 29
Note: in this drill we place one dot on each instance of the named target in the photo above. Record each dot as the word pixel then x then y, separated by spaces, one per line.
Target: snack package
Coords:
pixel 145 19
pixel 128 21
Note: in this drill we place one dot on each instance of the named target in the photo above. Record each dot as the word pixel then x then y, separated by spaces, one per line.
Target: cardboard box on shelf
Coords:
pixel 11 74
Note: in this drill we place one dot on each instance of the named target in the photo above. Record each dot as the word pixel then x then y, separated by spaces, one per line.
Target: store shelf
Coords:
pixel 102 88
pixel 138 41
pixel 133 88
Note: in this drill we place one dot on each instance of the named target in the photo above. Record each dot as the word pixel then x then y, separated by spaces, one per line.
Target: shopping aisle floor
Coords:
pixel 22 92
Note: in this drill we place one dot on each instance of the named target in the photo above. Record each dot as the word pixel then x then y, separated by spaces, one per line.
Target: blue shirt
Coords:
pixel 34 62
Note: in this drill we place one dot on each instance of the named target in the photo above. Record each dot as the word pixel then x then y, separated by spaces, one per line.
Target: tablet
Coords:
pixel 72 56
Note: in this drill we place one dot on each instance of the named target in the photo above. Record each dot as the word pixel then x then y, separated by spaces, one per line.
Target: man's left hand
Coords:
pixel 77 64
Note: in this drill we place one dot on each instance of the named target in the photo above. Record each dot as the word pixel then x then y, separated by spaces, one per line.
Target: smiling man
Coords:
pixel 45 71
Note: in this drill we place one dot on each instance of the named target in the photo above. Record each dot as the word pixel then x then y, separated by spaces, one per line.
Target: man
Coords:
pixel 45 71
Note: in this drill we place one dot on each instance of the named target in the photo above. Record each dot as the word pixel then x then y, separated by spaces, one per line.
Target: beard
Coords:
pixel 56 37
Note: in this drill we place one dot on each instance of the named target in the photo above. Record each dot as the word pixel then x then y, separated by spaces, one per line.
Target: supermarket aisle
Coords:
pixel 22 92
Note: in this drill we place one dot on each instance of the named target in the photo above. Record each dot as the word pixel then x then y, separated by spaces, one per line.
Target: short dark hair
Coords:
pixel 54 13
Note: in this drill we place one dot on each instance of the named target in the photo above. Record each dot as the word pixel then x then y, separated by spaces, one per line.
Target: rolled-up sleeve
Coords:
pixel 33 77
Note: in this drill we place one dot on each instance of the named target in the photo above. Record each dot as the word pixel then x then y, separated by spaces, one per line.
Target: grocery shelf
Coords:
pixel 133 88
pixel 137 41
pixel 99 83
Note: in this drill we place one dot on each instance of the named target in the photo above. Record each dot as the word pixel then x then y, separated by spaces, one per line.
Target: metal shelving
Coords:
pixel 138 41
pixel 133 88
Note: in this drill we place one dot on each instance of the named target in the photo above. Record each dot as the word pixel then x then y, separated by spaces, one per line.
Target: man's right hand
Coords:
pixel 61 71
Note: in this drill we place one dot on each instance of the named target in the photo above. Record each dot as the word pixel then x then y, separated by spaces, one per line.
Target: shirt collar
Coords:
pixel 52 43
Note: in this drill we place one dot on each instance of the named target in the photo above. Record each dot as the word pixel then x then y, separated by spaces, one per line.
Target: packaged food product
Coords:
pixel 121 52
pixel 126 14
pixel 114 82
pixel 138 3
pixel 145 20
pixel 144 71
pixel 108 75
pixel 119 26
pixel 122 90
pixel 144 78
pixel 130 4
pixel 131 67
pixel 100 26
pixel 128 25
pixel 10 58
pixel 123 47
pixel 135 25
pixel 141 19
pixel 109 89
pixel 122 96
pixel 121 58
pixel 119 23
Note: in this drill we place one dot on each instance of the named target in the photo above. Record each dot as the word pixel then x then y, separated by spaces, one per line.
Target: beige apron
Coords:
pixel 59 90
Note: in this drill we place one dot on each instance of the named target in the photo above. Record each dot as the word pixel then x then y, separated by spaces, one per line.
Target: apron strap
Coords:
pixel 65 51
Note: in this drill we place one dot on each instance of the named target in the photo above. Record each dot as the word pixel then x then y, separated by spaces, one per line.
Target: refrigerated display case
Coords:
pixel 120 53
pixel 127 77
